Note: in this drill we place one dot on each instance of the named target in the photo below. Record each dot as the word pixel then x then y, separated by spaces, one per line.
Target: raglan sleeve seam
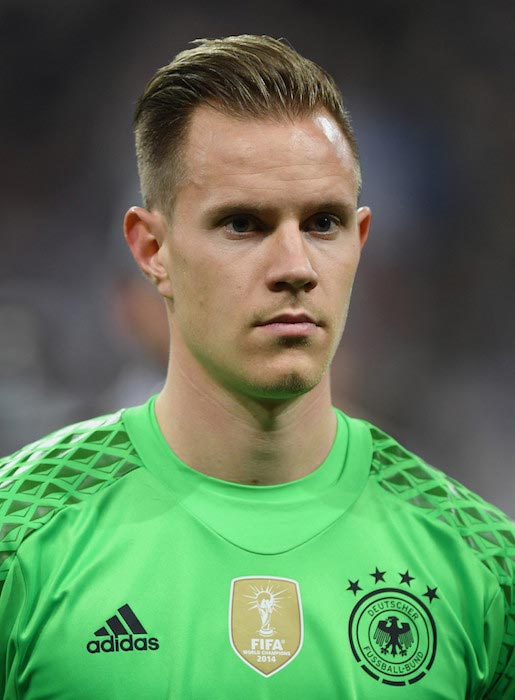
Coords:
pixel 17 628
pixel 497 672
pixel 15 632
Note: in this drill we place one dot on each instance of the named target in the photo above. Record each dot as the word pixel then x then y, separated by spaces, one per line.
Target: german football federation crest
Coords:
pixel 265 622
pixel 392 633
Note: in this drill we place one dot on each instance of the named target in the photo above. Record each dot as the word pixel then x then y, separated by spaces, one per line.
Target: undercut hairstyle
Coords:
pixel 241 76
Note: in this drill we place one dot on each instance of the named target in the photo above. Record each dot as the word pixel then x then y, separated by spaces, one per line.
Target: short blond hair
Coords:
pixel 242 76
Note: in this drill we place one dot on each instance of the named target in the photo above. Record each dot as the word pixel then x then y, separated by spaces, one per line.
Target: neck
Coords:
pixel 241 439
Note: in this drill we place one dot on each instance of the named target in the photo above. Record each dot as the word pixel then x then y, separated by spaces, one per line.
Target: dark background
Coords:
pixel 428 352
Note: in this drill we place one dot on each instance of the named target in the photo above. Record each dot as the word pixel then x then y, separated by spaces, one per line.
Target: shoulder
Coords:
pixel 57 471
pixel 484 530
pixel 483 527
pixel 408 478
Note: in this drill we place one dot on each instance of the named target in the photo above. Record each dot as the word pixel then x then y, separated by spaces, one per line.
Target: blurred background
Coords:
pixel 429 349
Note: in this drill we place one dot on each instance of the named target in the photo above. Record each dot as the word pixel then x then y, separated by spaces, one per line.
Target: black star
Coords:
pixel 354 586
pixel 406 578
pixel 431 593
pixel 378 575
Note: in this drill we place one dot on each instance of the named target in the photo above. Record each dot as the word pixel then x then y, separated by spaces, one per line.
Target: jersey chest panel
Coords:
pixel 163 607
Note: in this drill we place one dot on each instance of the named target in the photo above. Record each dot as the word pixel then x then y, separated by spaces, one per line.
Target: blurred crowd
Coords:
pixel 428 353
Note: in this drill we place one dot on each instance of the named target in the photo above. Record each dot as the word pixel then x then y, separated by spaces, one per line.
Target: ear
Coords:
pixel 145 235
pixel 364 216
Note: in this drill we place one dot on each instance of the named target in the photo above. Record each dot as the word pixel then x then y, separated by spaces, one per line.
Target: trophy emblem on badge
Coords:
pixel 265 601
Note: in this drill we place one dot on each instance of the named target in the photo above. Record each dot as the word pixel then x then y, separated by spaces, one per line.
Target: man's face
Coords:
pixel 261 252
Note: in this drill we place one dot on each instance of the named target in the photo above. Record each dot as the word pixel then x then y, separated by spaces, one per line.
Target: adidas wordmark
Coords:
pixel 130 643
pixel 121 637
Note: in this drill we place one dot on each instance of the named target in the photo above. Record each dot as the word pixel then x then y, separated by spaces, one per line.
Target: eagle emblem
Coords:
pixel 392 637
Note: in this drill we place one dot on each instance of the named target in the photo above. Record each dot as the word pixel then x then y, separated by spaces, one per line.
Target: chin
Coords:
pixel 287 386
pixel 279 378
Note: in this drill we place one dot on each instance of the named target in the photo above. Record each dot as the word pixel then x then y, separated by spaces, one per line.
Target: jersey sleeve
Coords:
pixel 12 602
pixel 487 533
pixel 58 471
pixel 502 686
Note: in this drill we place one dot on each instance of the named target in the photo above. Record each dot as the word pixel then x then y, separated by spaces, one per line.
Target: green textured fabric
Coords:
pixel 484 528
pixel 62 469
pixel 127 574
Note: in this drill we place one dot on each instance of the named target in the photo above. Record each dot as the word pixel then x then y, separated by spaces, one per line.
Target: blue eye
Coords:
pixel 240 224
pixel 323 223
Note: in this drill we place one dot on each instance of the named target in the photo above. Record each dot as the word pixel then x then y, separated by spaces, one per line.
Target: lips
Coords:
pixel 289 318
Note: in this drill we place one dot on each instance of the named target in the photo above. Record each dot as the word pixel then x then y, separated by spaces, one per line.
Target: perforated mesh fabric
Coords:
pixel 484 528
pixel 64 468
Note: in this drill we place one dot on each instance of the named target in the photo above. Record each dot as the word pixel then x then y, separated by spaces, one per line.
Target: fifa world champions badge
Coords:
pixel 265 622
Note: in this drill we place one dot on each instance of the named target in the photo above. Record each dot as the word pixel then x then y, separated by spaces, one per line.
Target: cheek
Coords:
pixel 204 300
pixel 188 273
pixel 343 277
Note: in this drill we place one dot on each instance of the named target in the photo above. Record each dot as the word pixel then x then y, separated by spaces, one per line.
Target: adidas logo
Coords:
pixel 131 636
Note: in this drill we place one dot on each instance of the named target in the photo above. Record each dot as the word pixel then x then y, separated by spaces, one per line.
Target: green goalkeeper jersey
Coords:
pixel 128 575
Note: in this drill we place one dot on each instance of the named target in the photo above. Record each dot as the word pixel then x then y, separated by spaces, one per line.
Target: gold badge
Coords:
pixel 265 622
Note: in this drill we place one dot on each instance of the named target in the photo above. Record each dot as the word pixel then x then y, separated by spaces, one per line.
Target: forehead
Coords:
pixel 225 152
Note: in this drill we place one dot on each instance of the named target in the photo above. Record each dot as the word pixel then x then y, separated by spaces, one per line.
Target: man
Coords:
pixel 237 536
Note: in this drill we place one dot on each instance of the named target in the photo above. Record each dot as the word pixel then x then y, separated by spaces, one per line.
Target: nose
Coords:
pixel 290 266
